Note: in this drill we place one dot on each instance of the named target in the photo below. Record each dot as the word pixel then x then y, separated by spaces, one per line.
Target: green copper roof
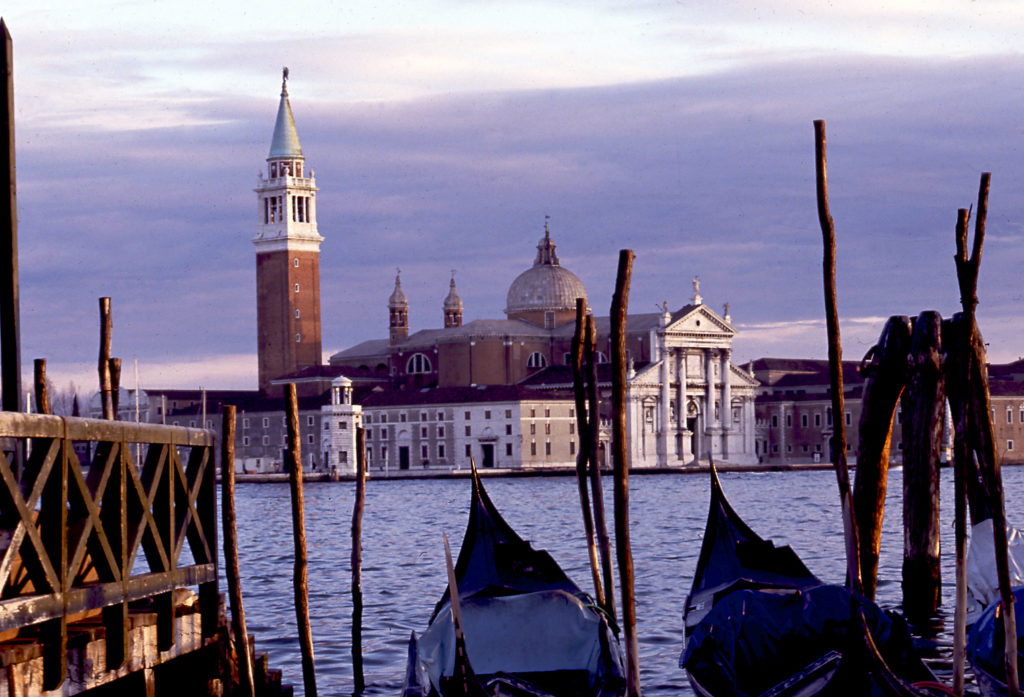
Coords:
pixel 286 139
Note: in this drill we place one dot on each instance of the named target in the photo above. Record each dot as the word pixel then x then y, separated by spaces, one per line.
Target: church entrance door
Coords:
pixel 403 457
pixel 487 450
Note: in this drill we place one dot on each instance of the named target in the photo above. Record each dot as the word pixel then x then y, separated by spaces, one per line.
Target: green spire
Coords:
pixel 286 140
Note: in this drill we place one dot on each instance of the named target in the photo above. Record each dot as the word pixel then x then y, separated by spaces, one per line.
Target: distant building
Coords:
pixel 795 421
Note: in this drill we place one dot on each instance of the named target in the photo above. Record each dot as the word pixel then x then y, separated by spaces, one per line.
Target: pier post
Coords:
pixel 923 413
pixel 884 369
pixel 980 427
pixel 42 392
pixel 300 578
pixel 106 328
pixel 231 563
pixel 620 303
pixel 584 422
pixel 357 563
pixel 10 337
pixel 594 454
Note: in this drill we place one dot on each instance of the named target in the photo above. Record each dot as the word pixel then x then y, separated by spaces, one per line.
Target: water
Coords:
pixel 404 570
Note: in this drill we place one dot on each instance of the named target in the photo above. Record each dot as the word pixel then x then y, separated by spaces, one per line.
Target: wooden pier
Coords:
pixel 108 558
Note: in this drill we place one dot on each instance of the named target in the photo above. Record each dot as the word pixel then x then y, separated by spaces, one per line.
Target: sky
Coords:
pixel 442 132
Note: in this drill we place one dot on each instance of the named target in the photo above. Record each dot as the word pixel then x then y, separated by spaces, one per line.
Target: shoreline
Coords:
pixel 403 475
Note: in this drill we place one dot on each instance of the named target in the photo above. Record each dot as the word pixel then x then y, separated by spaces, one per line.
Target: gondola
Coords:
pixel 986 646
pixel 529 630
pixel 759 623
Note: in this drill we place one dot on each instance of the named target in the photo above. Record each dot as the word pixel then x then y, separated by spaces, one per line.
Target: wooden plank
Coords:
pixel 27 610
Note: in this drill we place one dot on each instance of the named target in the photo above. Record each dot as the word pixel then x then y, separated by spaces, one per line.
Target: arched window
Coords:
pixel 536 360
pixel 418 363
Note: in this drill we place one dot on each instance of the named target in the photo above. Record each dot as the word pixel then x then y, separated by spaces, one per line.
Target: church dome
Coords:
pixel 546 286
pixel 398 298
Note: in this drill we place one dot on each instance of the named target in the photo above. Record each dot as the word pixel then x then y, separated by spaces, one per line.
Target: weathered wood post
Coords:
pixel 884 368
pixel 106 328
pixel 980 415
pixel 955 393
pixel 835 360
pixel 924 404
pixel 620 448
pixel 115 386
pixel 300 577
pixel 231 564
pixel 10 337
pixel 583 425
pixel 596 487
pixel 42 391
pixel 357 563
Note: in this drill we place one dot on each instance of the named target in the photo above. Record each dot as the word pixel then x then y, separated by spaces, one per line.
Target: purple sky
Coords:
pixel 146 196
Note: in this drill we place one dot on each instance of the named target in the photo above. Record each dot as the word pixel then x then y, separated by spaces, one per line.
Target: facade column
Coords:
pixel 664 414
pixel 682 432
pixel 782 431
pixel 726 410
pixel 709 399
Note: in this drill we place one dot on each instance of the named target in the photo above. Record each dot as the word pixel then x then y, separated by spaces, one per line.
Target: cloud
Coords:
pixel 709 175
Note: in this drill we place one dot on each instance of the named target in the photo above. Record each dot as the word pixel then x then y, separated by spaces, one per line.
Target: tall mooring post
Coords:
pixel 10 338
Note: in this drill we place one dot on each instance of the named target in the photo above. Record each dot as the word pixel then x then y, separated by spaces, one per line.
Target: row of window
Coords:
pixel 246 441
pixel 274 210
pixel 804 419
pixel 266 421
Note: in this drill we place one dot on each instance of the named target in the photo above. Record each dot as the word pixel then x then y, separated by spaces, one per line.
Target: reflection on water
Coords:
pixel 404 573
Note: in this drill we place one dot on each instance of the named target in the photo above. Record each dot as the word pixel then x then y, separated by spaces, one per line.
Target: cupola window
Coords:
pixel 418 363
pixel 536 360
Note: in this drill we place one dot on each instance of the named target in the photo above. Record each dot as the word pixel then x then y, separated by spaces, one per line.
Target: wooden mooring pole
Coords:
pixel 584 422
pixel 620 449
pixel 596 487
pixel 978 405
pixel 231 564
pixel 884 369
pixel 924 403
pixel 357 563
pixel 10 337
pixel 42 393
pixel 300 578
pixel 106 329
pixel 835 360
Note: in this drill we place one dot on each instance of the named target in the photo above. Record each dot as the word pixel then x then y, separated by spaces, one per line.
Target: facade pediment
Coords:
pixel 701 321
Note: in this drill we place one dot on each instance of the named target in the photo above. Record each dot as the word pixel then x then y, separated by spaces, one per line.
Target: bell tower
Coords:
pixel 287 255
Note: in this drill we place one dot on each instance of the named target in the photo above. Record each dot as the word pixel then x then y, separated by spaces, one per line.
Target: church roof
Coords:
pixel 285 143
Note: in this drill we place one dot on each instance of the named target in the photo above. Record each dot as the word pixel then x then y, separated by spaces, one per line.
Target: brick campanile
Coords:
pixel 287 256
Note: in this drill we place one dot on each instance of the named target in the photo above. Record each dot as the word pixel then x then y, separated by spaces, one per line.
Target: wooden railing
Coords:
pixel 79 499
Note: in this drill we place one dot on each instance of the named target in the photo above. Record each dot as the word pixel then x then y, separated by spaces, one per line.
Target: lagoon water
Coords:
pixel 404 570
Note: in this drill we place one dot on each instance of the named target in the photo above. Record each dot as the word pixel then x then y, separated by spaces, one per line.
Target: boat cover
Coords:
pixel 753 640
pixel 986 641
pixel 544 631
pixel 733 556
pixel 495 561
pixel 982 578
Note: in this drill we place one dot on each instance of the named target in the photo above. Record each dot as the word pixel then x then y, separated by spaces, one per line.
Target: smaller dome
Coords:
pixel 398 298
pixel 453 301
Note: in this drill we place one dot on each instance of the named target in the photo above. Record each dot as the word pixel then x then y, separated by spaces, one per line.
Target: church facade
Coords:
pixel 686 399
